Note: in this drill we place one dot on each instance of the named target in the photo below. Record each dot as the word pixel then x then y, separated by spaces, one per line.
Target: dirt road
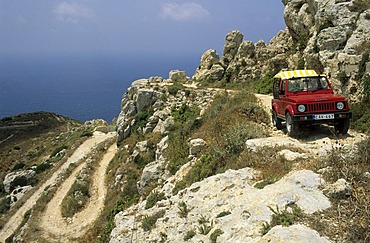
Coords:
pixel 80 153
pixel 55 226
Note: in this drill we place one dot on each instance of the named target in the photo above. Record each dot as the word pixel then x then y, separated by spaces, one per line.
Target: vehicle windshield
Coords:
pixel 307 84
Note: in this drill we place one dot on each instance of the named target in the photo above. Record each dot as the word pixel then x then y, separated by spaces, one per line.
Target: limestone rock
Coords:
pixel 340 189
pixel 209 67
pixel 18 193
pixel 196 146
pixel 290 156
pixel 145 98
pixel 231 192
pixel 292 234
pixel 152 172
pixel 17 179
pixel 177 76
pixel 232 43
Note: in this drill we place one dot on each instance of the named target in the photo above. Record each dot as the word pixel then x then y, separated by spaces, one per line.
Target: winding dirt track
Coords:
pixel 98 137
pixel 52 222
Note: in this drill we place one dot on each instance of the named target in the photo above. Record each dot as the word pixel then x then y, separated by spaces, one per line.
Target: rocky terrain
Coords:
pixel 329 36
pixel 191 160
pixel 229 205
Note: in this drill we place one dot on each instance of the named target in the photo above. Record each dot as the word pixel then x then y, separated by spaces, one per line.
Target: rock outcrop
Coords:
pixel 154 99
pixel 328 36
pixel 325 35
pixel 227 202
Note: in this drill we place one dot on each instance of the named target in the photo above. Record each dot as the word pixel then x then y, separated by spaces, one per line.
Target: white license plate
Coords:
pixel 323 116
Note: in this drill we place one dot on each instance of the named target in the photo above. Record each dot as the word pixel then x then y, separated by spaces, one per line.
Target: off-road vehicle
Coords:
pixel 304 98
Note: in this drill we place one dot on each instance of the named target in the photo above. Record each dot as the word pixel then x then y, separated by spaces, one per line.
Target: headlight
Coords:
pixel 340 105
pixel 301 108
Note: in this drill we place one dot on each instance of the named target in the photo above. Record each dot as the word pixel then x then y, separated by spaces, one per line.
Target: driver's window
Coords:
pixel 282 85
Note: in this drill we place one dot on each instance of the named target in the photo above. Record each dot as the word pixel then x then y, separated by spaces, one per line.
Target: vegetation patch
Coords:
pixel 185 123
pixel 348 220
pixel 183 210
pixel 264 85
pixel 282 217
pixel 189 234
pixel 223 214
pixel 227 124
pixel 361 110
pixel 174 88
pixel 215 234
pixel 148 222
pixel 153 198
pixel 205 225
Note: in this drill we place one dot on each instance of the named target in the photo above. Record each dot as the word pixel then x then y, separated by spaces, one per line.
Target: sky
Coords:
pixel 136 27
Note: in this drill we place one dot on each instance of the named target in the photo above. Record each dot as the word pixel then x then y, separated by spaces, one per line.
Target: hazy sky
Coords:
pixel 46 27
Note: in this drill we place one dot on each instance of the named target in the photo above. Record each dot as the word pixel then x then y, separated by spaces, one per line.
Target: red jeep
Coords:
pixel 303 98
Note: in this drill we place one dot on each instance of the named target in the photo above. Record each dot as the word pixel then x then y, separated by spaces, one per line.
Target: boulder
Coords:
pixel 294 233
pixel 145 98
pixel 232 43
pixel 205 69
pixel 196 146
pixel 18 193
pixel 338 190
pixel 17 179
pixel 151 173
pixel 290 156
pixel 177 76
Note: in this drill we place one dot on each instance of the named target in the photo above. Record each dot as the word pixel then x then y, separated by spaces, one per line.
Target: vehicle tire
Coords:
pixel 342 126
pixel 276 121
pixel 291 126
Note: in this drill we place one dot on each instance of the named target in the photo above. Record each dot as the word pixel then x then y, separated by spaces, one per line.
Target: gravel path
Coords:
pixel 80 153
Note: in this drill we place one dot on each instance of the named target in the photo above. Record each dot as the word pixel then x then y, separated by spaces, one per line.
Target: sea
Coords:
pixel 82 87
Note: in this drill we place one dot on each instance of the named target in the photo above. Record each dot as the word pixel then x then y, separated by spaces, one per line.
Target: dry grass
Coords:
pixel 348 220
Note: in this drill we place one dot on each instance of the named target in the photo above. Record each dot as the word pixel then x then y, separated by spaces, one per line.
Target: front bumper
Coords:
pixel 311 117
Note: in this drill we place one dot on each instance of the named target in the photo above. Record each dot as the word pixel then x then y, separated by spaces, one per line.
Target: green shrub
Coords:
pixel 148 222
pixel 88 132
pixel 342 77
pixel 153 198
pixel 173 89
pixel 183 210
pixel 361 110
pixel 205 225
pixel 189 234
pixel 141 119
pixel 264 85
pixel 223 214
pixel 144 158
pixel 178 150
pixel 76 199
pixel 18 166
pixel 282 217
pixel 4 205
pixel 215 234
pixel 42 167
pixel 58 149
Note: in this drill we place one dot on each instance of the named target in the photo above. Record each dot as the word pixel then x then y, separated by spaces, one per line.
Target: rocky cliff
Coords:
pixel 329 36
pixel 227 186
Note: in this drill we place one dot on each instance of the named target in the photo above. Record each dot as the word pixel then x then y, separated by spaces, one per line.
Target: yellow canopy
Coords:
pixel 296 74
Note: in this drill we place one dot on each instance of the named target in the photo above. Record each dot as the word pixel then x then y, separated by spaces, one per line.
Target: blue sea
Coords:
pixel 82 87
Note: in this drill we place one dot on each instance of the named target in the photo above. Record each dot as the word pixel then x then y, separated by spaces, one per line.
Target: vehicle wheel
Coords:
pixel 342 126
pixel 276 121
pixel 291 126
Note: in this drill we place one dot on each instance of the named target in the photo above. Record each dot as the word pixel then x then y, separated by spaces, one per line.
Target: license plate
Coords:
pixel 323 116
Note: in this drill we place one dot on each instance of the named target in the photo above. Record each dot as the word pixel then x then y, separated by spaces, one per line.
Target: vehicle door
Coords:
pixel 282 97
